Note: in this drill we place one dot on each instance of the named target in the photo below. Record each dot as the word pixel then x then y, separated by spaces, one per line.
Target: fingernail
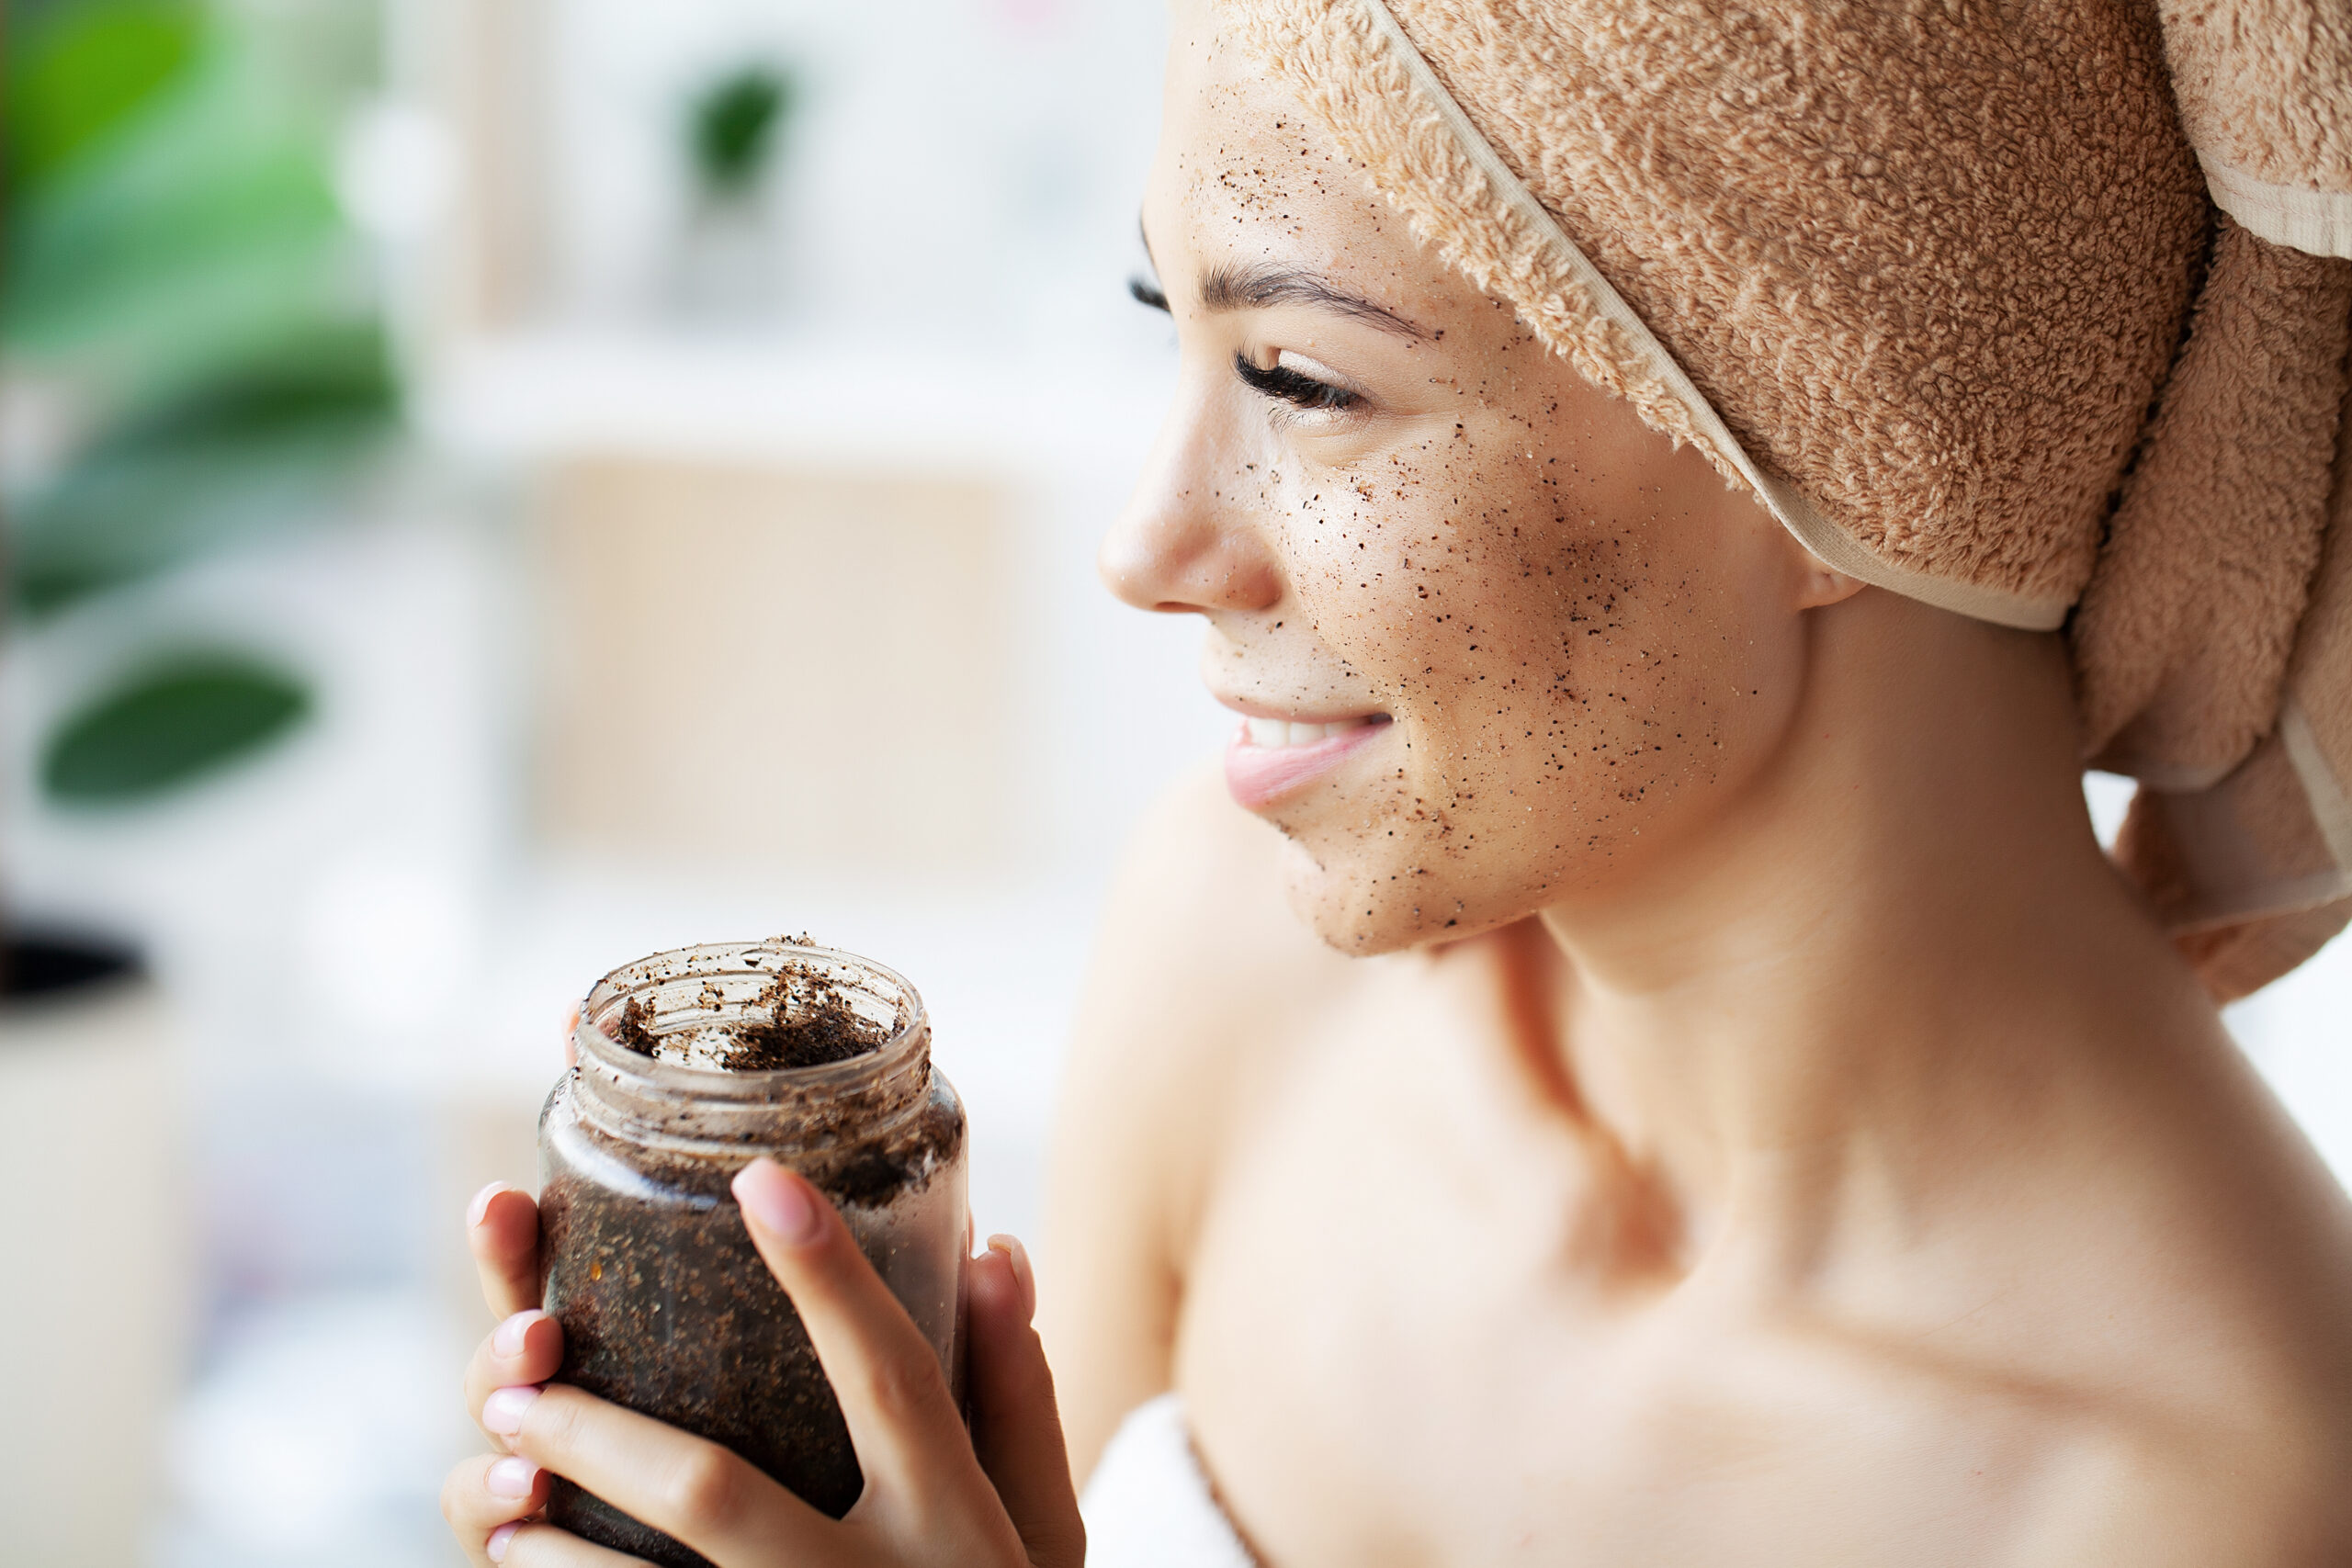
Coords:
pixel 512 1478
pixel 507 1338
pixel 778 1201
pixel 1018 1256
pixel 503 1411
pixel 480 1205
pixel 495 1547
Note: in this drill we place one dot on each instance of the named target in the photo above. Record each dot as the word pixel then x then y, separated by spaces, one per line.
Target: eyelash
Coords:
pixel 1292 387
pixel 1279 382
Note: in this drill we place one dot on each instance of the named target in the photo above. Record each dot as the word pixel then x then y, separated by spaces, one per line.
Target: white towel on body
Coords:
pixel 1149 1504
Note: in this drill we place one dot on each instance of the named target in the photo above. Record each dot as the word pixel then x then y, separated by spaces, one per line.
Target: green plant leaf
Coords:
pixel 334 370
pixel 206 226
pixel 734 126
pixel 175 721
pixel 79 71
pixel 272 442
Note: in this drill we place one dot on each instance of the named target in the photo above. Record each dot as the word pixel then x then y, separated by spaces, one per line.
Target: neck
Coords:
pixel 1900 939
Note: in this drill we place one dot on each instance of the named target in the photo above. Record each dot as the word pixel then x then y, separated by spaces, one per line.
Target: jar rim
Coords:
pixel 909 1032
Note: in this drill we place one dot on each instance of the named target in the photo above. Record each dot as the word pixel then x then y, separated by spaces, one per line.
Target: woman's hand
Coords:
pixel 1000 1494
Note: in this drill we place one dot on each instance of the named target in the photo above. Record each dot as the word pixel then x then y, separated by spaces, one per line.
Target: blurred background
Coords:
pixel 494 488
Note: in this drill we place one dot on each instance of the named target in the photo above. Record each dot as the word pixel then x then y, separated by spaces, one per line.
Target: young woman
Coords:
pixel 1639 1058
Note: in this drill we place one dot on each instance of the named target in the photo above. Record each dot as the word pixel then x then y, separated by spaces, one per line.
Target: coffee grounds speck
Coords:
pixel 635 1029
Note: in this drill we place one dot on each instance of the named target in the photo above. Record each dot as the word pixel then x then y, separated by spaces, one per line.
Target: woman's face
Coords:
pixel 1496 645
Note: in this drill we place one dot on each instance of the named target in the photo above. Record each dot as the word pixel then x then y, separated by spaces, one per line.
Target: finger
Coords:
pixel 502 1229
pixel 902 1418
pixel 1016 1425
pixel 544 1546
pixel 715 1501
pixel 487 1491
pixel 526 1348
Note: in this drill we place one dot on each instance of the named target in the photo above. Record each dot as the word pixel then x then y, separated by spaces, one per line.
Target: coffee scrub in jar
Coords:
pixel 692 1064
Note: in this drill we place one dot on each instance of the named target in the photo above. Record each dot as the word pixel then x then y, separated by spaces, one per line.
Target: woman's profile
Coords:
pixel 1638 1056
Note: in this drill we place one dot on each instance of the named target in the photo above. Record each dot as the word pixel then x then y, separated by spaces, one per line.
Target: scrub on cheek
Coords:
pixel 692 1064
pixel 1550 641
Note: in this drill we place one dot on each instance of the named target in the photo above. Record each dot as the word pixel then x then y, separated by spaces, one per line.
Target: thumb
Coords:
pixel 1017 1427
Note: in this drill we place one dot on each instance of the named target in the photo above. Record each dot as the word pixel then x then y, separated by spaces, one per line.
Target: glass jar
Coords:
pixel 665 1305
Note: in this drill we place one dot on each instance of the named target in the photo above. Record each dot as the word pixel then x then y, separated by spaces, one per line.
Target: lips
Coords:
pixel 1270 758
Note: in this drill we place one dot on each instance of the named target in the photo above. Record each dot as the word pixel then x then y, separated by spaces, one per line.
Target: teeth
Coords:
pixel 1273 732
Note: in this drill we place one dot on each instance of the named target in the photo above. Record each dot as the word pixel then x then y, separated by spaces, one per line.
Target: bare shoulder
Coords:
pixel 2238 1361
pixel 2268 1493
pixel 1197 943
pixel 2247 1456
pixel 2202 1338
pixel 2137 1345
pixel 1198 966
pixel 2208 1442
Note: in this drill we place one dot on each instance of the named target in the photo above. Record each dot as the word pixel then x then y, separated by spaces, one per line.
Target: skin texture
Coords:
pixel 1753 1122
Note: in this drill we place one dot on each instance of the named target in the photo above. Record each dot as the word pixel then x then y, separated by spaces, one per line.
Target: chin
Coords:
pixel 1367 907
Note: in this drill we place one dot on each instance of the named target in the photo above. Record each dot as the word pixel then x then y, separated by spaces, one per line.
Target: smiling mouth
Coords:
pixel 1270 759
pixel 1273 733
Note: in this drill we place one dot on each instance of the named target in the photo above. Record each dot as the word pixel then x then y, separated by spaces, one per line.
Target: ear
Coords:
pixel 1811 584
pixel 1819 586
pixel 1801 579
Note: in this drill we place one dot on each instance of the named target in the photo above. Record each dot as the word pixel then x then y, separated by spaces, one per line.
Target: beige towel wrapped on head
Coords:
pixel 2215 643
pixel 1951 288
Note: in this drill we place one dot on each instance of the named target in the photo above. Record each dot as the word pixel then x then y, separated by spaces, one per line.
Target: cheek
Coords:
pixel 1531 632
pixel 1571 682
pixel 1389 577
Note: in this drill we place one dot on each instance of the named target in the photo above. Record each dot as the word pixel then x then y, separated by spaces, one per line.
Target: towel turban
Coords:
pixel 2036 310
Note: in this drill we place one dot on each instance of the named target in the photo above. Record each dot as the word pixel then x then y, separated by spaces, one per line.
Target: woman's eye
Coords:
pixel 1292 387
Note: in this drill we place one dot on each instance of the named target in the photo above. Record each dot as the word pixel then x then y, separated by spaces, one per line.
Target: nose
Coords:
pixel 1180 546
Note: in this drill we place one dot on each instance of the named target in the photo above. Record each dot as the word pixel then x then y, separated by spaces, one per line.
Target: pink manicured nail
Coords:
pixel 507 1338
pixel 503 1411
pixel 512 1478
pixel 495 1547
pixel 777 1201
pixel 480 1205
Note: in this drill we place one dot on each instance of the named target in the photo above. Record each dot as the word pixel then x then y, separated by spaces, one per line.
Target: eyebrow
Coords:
pixel 1230 288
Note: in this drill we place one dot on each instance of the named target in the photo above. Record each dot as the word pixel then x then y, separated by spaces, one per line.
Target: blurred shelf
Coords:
pixel 778 398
